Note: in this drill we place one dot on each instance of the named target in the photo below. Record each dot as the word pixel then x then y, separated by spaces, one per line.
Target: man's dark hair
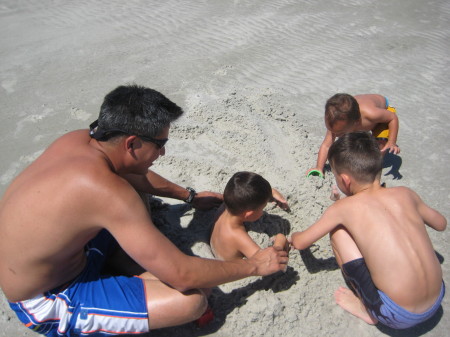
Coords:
pixel 358 154
pixel 246 191
pixel 342 107
pixel 137 110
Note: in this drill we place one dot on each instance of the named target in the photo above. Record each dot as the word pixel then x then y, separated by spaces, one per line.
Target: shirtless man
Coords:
pixel 369 112
pixel 64 214
pixel 379 238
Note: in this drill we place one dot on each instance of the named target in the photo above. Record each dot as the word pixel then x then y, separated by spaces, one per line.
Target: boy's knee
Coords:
pixel 336 233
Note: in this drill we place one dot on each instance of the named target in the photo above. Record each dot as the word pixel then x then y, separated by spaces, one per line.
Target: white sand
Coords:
pixel 253 77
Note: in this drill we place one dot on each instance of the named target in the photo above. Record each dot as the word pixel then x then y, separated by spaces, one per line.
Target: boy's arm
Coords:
pixel 245 244
pixel 323 152
pixel 378 116
pixel 329 220
pixel 279 200
pixel 430 216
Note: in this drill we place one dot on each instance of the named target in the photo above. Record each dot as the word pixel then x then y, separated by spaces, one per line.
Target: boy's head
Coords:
pixel 136 110
pixel 246 191
pixel 356 154
pixel 341 113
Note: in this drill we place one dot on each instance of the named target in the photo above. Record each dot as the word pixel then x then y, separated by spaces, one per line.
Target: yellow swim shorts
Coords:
pixel 382 130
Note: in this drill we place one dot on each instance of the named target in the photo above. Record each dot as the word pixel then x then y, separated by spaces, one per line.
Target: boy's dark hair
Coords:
pixel 246 191
pixel 358 154
pixel 137 110
pixel 342 107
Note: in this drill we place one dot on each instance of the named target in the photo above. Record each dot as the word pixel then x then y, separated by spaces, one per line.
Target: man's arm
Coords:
pixel 329 220
pixel 323 152
pixel 129 222
pixel 155 184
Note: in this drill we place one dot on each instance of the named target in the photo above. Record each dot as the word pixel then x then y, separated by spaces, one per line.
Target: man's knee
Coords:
pixel 197 302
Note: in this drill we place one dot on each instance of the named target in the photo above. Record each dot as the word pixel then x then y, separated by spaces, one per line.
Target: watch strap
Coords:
pixel 192 194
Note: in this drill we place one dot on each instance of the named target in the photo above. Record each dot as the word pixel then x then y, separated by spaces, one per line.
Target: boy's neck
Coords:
pixel 357 187
pixel 233 220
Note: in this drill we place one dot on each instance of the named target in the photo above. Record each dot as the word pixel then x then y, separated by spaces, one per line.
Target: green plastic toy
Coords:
pixel 315 173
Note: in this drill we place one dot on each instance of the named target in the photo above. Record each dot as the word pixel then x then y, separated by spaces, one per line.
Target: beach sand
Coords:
pixel 253 78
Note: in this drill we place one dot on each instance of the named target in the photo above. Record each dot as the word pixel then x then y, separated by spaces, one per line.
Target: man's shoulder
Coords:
pixel 78 164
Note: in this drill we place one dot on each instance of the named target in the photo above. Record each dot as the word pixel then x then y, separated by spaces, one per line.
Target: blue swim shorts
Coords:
pixel 92 304
pixel 379 304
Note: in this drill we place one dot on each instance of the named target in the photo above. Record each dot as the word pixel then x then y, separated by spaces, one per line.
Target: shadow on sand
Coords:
pixel 168 218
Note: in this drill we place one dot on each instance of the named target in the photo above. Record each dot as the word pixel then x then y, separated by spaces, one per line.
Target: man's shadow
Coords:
pixel 223 304
pixel 169 220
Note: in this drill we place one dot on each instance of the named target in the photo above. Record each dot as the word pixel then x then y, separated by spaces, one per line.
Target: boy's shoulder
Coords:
pixel 371 103
pixel 363 198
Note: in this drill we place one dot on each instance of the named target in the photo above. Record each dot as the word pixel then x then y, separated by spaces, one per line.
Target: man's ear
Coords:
pixel 130 143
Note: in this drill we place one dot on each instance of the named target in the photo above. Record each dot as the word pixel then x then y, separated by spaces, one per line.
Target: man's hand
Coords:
pixel 207 200
pixel 280 201
pixel 269 261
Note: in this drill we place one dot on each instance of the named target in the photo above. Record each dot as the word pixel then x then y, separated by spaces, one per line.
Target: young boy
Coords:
pixel 245 196
pixel 379 240
pixel 345 113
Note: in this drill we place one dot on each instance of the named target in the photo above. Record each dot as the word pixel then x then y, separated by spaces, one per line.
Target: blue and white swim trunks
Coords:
pixel 92 304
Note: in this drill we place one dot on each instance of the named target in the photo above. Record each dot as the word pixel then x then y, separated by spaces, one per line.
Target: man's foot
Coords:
pixel 207 317
pixel 335 194
pixel 348 301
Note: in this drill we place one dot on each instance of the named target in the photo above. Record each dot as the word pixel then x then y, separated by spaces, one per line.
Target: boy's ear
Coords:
pixel 346 180
pixel 248 214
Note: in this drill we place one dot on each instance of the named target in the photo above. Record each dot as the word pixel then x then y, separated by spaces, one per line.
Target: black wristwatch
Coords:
pixel 191 196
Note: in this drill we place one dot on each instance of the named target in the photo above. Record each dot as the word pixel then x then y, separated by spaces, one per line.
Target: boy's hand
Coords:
pixel 279 200
pixel 280 242
pixel 269 261
pixel 314 171
pixel 393 148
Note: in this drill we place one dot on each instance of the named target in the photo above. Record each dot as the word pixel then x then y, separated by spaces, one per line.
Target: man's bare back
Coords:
pixel 53 205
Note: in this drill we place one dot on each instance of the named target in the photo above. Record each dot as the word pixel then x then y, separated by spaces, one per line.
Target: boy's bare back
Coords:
pixel 372 108
pixel 229 239
pixel 387 225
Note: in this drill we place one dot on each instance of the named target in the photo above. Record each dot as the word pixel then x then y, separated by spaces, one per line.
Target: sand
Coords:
pixel 252 77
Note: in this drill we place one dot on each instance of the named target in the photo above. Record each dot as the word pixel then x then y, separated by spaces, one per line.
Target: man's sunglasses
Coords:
pixel 99 134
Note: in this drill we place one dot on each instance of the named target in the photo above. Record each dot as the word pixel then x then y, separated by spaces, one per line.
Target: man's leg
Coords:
pixel 346 250
pixel 169 307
